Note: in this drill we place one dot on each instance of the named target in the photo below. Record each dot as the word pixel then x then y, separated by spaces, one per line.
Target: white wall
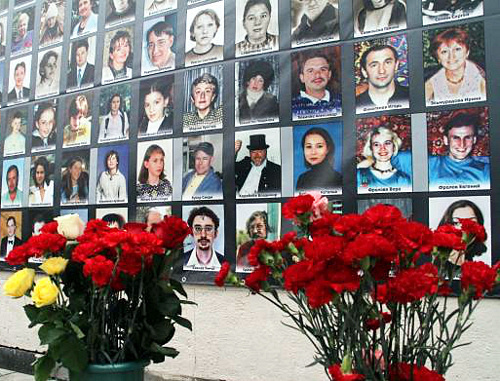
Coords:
pixel 239 337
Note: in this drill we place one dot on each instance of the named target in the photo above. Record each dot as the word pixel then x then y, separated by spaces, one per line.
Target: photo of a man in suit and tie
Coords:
pixel 81 70
pixel 10 240
pixel 20 77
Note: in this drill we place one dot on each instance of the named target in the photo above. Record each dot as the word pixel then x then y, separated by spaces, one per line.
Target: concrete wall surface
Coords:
pixel 239 337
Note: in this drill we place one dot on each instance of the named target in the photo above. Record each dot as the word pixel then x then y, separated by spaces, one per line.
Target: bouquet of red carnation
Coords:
pixel 107 297
pixel 370 291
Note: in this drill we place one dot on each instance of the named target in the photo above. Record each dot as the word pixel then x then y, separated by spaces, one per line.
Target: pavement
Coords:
pixel 9 375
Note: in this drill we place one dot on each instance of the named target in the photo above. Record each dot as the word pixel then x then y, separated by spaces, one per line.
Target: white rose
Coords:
pixel 70 226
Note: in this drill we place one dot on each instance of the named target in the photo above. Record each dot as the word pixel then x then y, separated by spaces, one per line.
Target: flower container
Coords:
pixel 127 371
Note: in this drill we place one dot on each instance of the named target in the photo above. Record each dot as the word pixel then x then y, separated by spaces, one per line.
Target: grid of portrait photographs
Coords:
pixel 125 110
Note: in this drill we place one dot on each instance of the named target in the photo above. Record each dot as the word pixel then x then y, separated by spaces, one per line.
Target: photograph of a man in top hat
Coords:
pixel 314 21
pixel 256 174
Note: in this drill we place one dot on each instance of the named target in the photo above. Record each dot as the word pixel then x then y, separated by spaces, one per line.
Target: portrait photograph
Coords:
pixel 42 176
pixel 150 215
pixel 154 7
pixel 77 120
pixel 118 56
pixel 378 16
pixel 202 167
pixel 454 64
pixel 257 27
pixel 84 17
pixel 11 230
pixel 205 34
pixel 49 73
pixel 44 131
pixel 23 23
pixel 316 83
pixel 81 64
pixel 115 103
pixel 203 93
pixel 403 204
pixel 257 91
pixel 437 11
pixel 314 22
pixel 156 112
pixel 154 171
pixel 75 177
pixel 204 248
pixel 114 217
pixel 459 149
pixel 38 218
pixel 112 174
pixel 119 11
pixel 12 183
pixel 3 36
pixel 449 211
pixel 317 158
pixel 254 222
pixel 19 80
pixel 382 74
pixel 258 163
pixel 383 154
pixel 15 131
pixel 52 22
pixel 159 44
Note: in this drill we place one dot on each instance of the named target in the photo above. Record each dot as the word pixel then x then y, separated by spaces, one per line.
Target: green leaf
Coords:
pixel 48 334
pixel 177 286
pixel 163 331
pixel 167 351
pixel 170 307
pixel 72 353
pixel 43 367
pixel 32 313
pixel 183 321
pixel 77 330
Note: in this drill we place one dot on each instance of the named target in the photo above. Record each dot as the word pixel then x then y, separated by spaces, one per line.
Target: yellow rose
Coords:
pixel 54 266
pixel 44 293
pixel 19 283
pixel 70 226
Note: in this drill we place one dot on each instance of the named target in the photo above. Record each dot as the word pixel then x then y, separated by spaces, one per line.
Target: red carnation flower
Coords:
pixel 323 248
pixel 342 278
pixel 100 269
pixel 135 227
pixel 350 225
pixel 298 275
pixel 383 216
pixel 370 245
pixel 318 293
pixel 324 225
pixel 49 228
pixel 478 275
pixel 413 284
pixel 86 250
pixel 19 255
pixel 471 227
pixel 448 237
pixel 254 279
pixel 171 231
pixel 336 372
pixel 298 206
pixel 46 243
pixel 412 372
pixel 374 324
pixel 410 236
pixel 221 276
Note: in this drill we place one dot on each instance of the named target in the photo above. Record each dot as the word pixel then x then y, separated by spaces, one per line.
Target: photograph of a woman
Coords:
pixel 115 124
pixel 41 181
pixel 157 116
pixel 51 23
pixel 258 32
pixel 44 136
pixel 456 76
pixel 49 71
pixel 112 166
pixel 152 182
pixel 377 171
pixel 205 36
pixel 378 16
pixel 75 178
pixel 257 102
pixel 78 131
pixel 449 211
pixel 15 142
pixel 318 159
pixel 118 50
pixel 84 17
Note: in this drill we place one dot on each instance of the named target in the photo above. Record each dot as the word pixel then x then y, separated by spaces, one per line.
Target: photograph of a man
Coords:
pixel 379 66
pixel 464 162
pixel 202 182
pixel 255 175
pixel 19 81
pixel 257 227
pixel 81 71
pixel 44 131
pixel 315 93
pixel 12 196
pixel 314 21
pixel 204 112
pixel 158 54
pixel 22 34
pixel 10 240
pixel 204 225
